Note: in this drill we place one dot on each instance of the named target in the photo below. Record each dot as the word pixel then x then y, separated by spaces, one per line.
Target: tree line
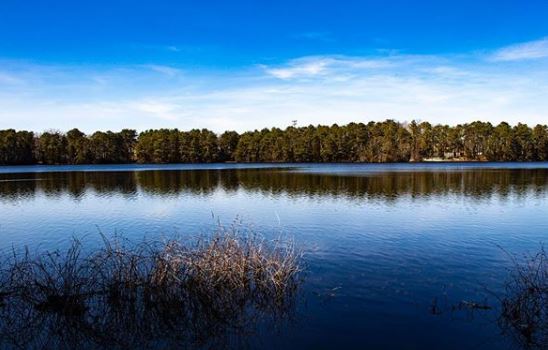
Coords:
pixel 387 141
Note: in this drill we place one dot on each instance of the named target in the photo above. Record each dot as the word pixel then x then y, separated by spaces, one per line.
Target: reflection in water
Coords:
pixel 521 310
pixel 380 244
pixel 149 295
pixel 389 185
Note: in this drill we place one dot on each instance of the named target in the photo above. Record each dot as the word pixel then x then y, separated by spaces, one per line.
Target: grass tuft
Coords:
pixel 176 292
pixel 524 311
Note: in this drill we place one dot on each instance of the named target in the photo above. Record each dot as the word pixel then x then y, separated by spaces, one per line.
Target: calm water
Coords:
pixel 381 242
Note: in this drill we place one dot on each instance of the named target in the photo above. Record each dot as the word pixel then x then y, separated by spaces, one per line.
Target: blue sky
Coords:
pixel 251 64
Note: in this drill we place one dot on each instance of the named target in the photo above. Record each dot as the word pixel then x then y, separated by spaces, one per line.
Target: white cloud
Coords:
pixel 9 79
pixel 313 66
pixel 300 68
pixel 173 48
pixel 166 70
pixel 316 36
pixel 155 108
pixel 312 90
pixel 524 51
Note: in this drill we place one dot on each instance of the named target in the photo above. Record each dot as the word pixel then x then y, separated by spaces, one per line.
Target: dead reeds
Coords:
pixel 189 292
pixel 524 312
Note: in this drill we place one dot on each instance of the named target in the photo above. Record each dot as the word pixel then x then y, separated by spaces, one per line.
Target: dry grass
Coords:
pixel 177 292
pixel 524 311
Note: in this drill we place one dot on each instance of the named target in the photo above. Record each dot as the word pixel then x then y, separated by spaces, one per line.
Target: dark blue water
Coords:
pixel 383 244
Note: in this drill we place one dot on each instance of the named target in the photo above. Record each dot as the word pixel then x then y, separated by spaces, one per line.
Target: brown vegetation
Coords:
pixel 172 293
pixel 524 311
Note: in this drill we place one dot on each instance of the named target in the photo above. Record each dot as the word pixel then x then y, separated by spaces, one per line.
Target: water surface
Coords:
pixel 382 243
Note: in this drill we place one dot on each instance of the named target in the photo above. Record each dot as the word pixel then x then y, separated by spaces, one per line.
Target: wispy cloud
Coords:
pixel 173 48
pixel 305 67
pixel 10 79
pixel 315 36
pixel 524 51
pixel 166 70
pixel 316 89
pixel 314 66
pixel 166 48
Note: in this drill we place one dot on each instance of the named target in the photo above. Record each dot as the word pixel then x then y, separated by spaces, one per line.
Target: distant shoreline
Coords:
pixel 375 142
pixel 243 164
pixel 310 168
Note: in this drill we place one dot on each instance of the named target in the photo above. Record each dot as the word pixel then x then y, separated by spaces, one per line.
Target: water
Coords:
pixel 382 243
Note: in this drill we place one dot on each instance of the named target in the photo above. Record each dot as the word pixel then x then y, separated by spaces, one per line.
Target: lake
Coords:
pixel 391 252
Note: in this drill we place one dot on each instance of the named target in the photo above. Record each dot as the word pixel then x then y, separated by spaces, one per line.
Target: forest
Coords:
pixel 387 141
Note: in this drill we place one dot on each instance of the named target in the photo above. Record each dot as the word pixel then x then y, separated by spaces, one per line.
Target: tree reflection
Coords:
pixel 476 184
